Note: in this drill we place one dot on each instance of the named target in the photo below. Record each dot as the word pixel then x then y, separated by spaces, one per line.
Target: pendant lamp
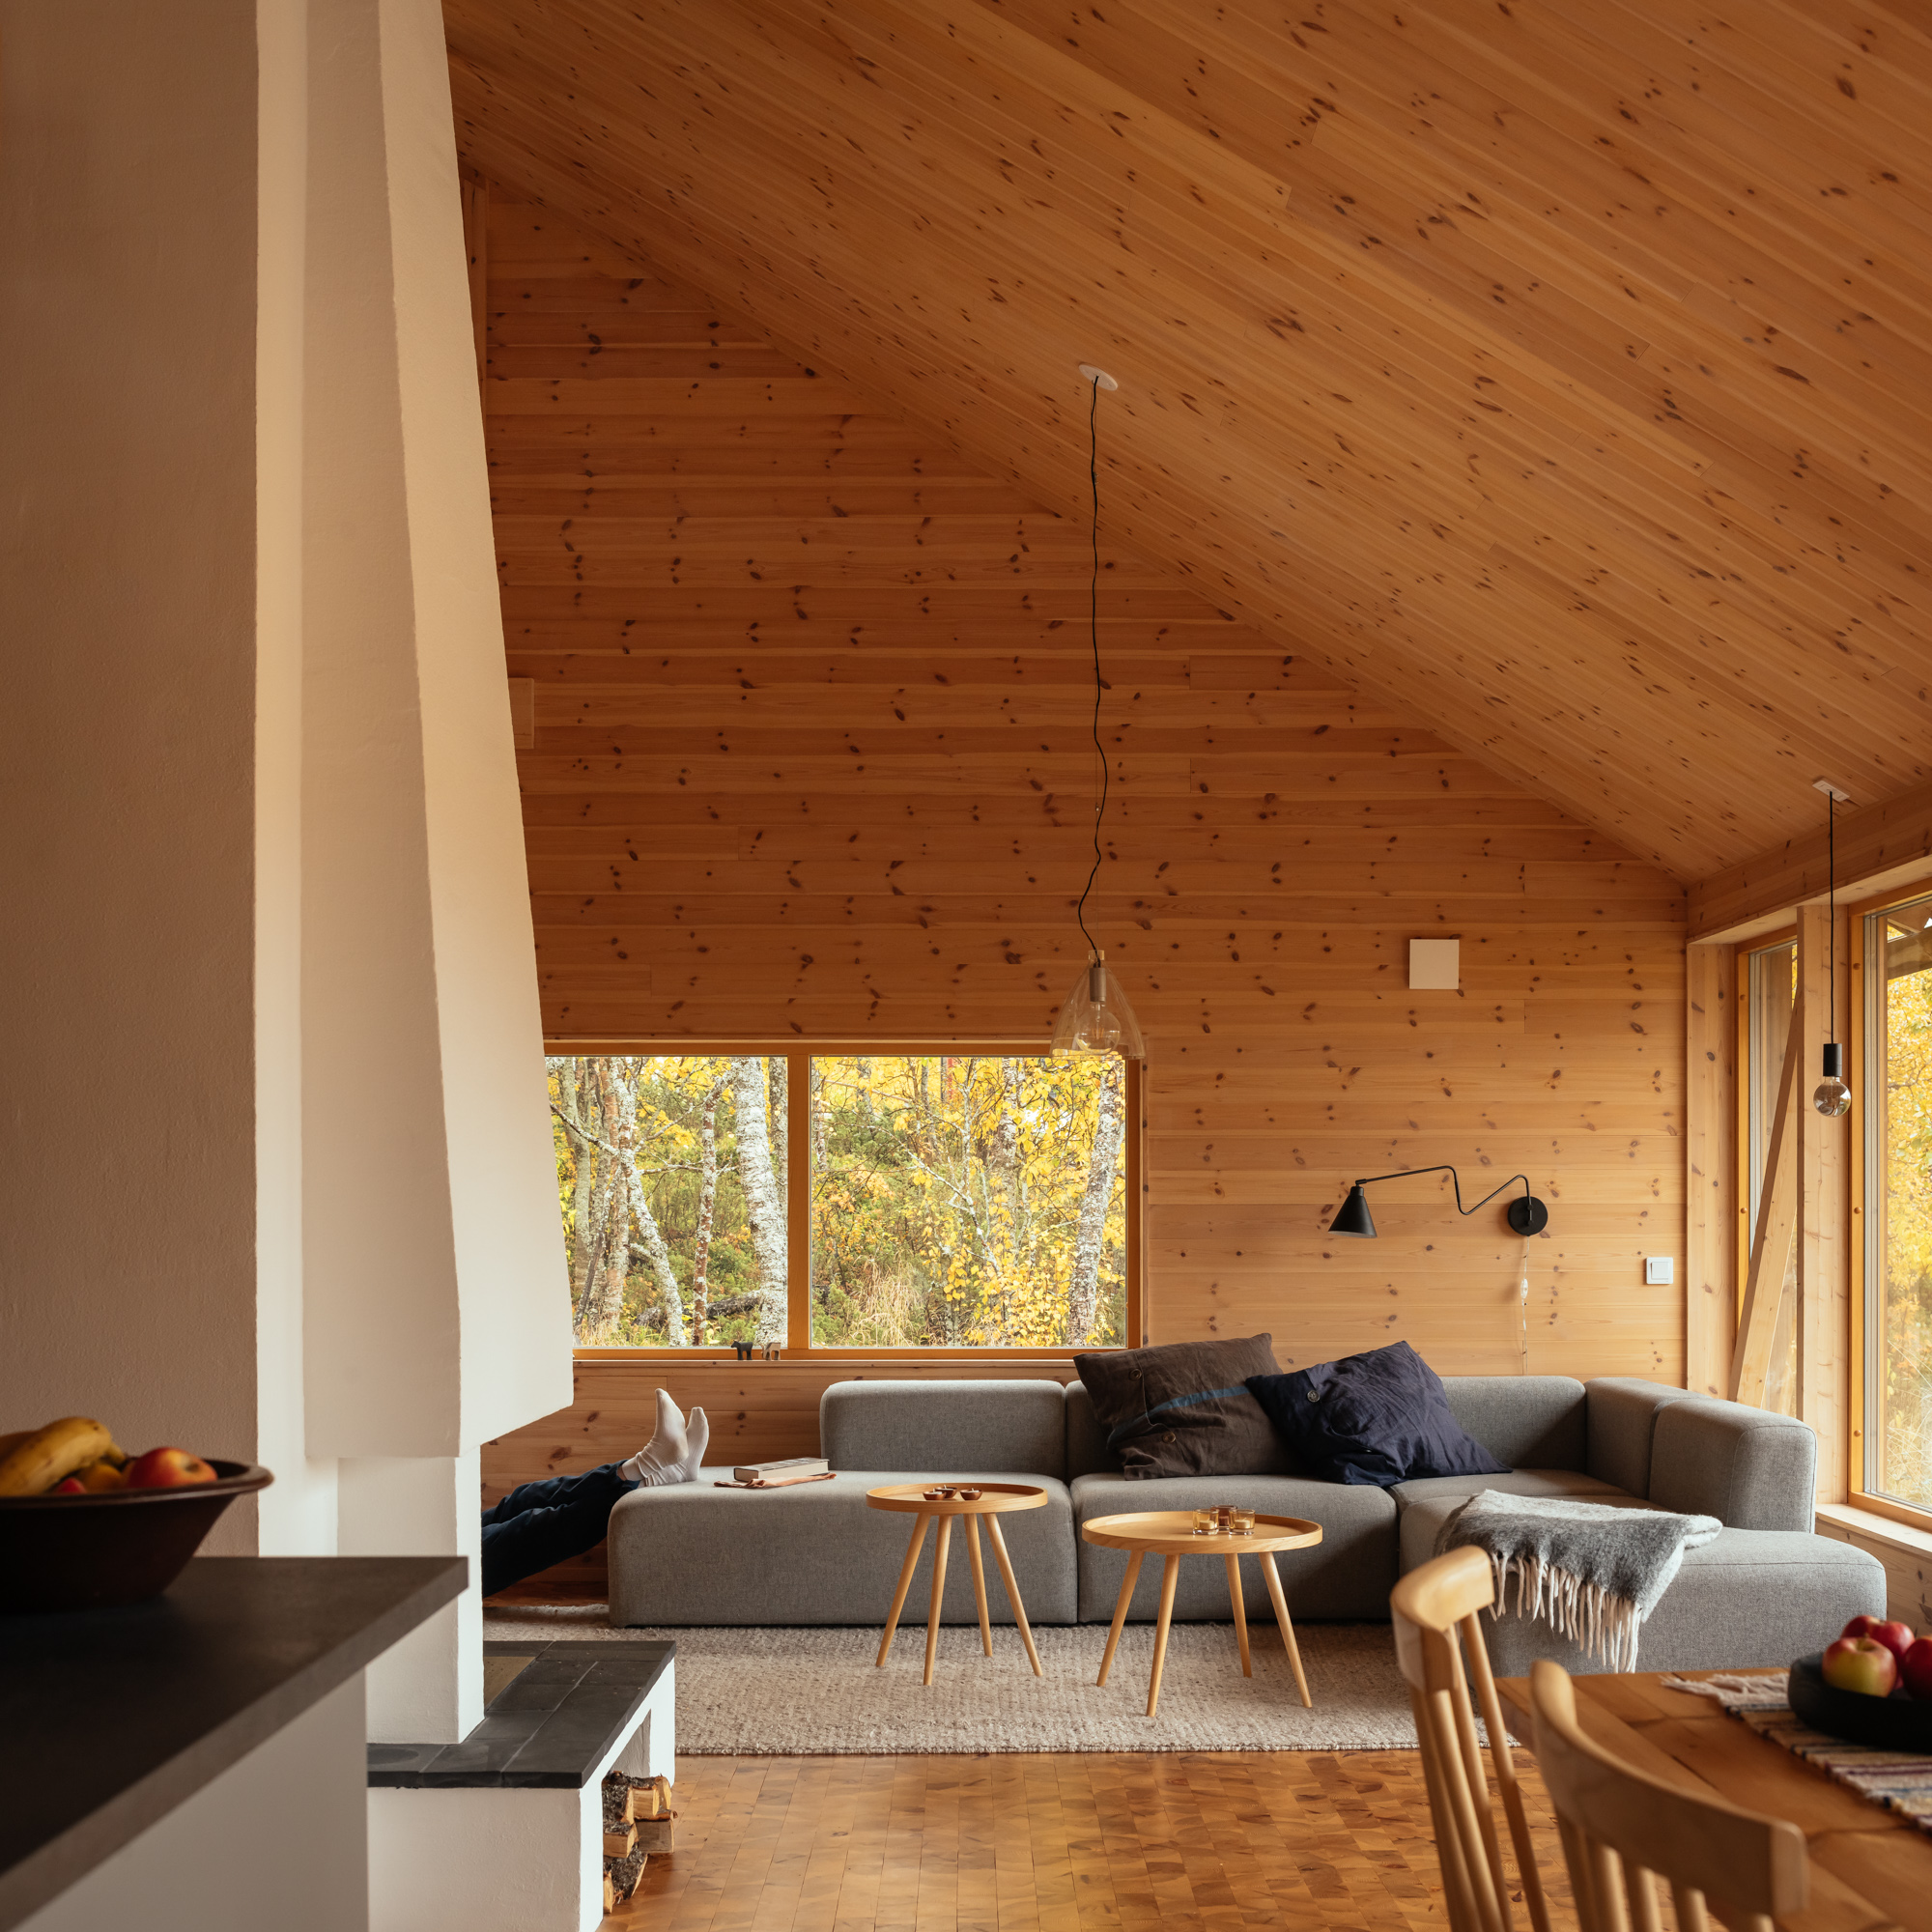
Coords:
pixel 1831 1097
pixel 1095 1017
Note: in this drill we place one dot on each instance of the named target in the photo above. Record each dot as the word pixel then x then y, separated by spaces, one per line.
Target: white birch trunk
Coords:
pixel 764 1195
pixel 1091 1236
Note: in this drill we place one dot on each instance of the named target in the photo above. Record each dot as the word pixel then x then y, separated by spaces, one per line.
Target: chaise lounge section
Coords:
pixel 1765 1591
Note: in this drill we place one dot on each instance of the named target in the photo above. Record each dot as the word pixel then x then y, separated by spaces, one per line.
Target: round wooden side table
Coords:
pixel 992 1502
pixel 1170 1533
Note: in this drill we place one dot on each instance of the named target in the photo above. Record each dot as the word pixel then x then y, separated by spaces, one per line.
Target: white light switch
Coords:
pixel 1434 965
pixel 1659 1269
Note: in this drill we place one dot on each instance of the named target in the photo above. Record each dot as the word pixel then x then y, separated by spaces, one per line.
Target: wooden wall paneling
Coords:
pixel 1824 1194
pixel 1395 380
pixel 844 790
pixel 1879 846
pixel 1711 1135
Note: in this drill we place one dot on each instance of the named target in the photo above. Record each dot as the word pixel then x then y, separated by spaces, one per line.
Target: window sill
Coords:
pixel 1868 1526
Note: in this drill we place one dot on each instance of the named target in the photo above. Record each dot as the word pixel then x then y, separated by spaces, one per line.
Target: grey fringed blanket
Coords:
pixel 1592 1571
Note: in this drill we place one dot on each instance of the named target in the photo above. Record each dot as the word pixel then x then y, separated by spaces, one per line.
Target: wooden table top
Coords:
pixel 1171 1533
pixel 993 1500
pixel 1871 1869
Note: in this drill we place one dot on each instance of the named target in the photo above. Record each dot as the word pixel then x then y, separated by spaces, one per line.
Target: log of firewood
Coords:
pixel 620 1844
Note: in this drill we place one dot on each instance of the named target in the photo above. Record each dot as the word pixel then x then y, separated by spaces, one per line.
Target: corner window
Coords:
pixel 1895 1107
pixel 864 1202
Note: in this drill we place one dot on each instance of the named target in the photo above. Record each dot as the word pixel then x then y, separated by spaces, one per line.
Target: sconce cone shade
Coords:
pixel 1354 1217
pixel 1095 1017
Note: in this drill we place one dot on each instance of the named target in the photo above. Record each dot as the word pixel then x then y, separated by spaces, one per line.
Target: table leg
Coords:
pixel 938 1593
pixel 1170 1576
pixel 1273 1577
pixel 1120 1612
pixel 906 1569
pixel 980 1583
pixel 1240 1613
pixel 1005 1564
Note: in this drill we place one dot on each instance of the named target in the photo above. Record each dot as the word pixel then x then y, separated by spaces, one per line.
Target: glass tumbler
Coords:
pixel 1243 1523
pixel 1205 1522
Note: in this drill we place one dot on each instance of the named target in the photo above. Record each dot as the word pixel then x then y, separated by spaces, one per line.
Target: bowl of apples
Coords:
pixel 84 1525
pixel 1871 1686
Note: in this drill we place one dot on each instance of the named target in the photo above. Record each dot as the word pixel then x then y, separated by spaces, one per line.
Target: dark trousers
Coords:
pixel 541 1523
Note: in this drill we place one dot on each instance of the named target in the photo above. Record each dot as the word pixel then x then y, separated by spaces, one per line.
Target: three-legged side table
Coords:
pixel 1170 1533
pixel 992 1502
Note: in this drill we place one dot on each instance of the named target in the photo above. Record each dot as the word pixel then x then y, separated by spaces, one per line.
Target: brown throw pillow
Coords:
pixel 1186 1409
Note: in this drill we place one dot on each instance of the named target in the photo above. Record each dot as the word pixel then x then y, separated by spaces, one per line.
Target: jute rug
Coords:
pixel 811 1692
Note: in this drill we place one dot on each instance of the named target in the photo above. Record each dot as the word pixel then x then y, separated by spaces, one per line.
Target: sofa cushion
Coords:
pixel 1349 1573
pixel 1622 1413
pixel 692 1554
pixel 1086 1452
pixel 1753 1599
pixel 1428 1504
pixel 1184 1409
pixel 1374 1418
pixel 957 1425
pixel 1747 1467
pixel 1529 1422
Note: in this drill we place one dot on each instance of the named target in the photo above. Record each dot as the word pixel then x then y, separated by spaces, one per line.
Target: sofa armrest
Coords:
pixel 1622 1418
pixel 1747 1467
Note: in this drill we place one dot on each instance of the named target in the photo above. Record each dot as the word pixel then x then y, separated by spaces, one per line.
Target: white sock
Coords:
pixel 700 1429
pixel 662 1460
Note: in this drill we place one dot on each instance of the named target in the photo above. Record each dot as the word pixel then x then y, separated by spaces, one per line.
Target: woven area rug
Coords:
pixel 811 1692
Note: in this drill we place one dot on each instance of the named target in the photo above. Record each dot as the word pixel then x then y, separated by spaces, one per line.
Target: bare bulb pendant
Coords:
pixel 1831 1097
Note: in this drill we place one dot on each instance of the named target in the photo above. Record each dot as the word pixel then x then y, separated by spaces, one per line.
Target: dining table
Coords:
pixel 1871 1869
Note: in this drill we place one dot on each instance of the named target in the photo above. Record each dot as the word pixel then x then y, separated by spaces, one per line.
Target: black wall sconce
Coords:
pixel 1528 1216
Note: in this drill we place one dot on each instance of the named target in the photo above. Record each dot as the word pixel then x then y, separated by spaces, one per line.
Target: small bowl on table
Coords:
pixel 1897 1723
pixel 110 1546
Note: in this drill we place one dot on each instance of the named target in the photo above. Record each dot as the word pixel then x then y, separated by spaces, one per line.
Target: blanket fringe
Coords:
pixel 1600 1622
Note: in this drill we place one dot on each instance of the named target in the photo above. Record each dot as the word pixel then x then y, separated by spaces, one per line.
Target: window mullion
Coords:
pixel 798 1199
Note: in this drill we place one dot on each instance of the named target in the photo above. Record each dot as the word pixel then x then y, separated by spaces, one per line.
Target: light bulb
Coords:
pixel 1095 1016
pixel 1831 1097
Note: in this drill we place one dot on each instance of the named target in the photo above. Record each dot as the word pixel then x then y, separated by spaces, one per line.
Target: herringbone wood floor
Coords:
pixel 1074 1843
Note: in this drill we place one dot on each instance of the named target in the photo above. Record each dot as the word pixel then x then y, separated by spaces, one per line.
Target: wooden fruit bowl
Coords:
pixel 114 1547
pixel 1885 1723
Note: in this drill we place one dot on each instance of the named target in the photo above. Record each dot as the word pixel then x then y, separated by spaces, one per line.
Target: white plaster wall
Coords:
pixel 128 318
pixel 280 1838
pixel 429 1687
pixel 436 1313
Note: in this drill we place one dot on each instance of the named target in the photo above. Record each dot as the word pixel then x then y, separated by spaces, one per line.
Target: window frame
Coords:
pixel 1859 1048
pixel 1745 1180
pixel 797 1188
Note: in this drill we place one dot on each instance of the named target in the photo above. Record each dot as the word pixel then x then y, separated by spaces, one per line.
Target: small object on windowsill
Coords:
pixel 771 1352
pixel 745 1349
pixel 777 1482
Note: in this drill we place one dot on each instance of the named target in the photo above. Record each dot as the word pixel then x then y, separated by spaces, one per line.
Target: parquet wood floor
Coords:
pixel 1073 1843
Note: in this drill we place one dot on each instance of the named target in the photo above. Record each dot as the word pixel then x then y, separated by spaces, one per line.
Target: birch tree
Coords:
pixel 707 1208
pixel 1090 1237
pixel 765 1195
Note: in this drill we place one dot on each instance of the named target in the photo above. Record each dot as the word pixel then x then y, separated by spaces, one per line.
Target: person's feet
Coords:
pixel 675 1452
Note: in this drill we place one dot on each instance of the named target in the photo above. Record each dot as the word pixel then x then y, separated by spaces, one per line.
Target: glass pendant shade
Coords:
pixel 1831 1097
pixel 1354 1217
pixel 1095 1017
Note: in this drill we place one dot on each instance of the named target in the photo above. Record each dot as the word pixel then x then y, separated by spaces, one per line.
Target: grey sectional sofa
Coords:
pixel 1767 1590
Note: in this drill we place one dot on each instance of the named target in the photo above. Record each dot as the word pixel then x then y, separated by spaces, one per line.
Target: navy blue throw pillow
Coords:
pixel 1376 1419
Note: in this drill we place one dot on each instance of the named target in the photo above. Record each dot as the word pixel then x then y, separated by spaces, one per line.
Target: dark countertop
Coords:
pixel 110 1718
pixel 549 1728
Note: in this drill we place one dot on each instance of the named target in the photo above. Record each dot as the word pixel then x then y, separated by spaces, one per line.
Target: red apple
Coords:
pixel 1895 1637
pixel 167 1469
pixel 1915 1667
pixel 1860 1663
pixel 72 1487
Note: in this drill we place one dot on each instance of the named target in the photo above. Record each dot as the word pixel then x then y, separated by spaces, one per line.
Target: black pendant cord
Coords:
pixel 1832 904
pixel 1094 632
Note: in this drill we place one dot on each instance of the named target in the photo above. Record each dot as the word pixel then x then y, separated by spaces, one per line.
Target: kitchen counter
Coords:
pixel 111 1719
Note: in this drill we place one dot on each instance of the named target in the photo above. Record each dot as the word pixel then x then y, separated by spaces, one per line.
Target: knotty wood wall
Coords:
pixel 811 759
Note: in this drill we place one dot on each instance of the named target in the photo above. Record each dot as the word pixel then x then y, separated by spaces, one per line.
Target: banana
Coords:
pixel 44 1457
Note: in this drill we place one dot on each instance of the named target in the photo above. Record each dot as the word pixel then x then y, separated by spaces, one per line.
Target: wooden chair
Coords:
pixel 1429 1607
pixel 1620 1826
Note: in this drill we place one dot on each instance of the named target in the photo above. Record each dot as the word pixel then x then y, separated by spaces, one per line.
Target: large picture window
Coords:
pixel 859 1201
pixel 1896 1147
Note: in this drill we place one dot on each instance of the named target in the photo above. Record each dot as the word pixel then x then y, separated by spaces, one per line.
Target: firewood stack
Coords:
pixel 638 1821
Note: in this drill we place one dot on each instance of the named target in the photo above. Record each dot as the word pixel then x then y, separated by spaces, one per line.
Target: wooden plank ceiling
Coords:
pixel 1560 369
